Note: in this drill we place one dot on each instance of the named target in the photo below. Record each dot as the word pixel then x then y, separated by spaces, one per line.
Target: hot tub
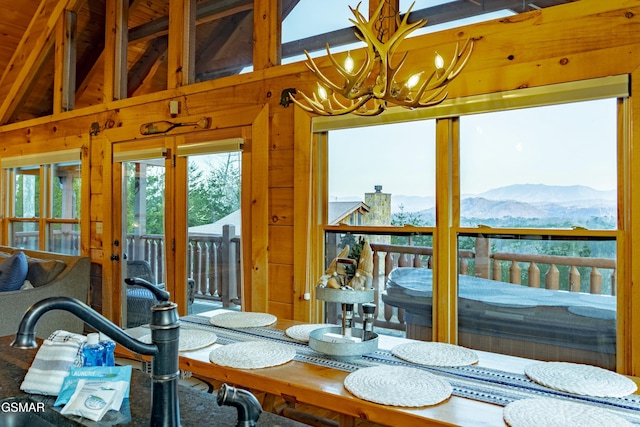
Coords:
pixel 513 319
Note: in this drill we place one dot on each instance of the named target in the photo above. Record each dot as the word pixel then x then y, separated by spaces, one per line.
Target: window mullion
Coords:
pixel 444 284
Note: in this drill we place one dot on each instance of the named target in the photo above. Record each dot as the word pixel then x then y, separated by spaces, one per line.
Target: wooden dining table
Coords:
pixel 299 382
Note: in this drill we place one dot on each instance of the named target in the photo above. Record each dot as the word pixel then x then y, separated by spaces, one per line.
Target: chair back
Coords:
pixel 142 269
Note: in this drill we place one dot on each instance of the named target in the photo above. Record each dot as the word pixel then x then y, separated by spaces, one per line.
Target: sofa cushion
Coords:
pixel 43 271
pixel 13 272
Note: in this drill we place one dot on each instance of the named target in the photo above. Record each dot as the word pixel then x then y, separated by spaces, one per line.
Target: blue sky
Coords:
pixel 559 145
pixel 569 144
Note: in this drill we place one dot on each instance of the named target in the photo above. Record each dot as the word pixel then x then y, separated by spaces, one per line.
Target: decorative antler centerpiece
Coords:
pixel 368 90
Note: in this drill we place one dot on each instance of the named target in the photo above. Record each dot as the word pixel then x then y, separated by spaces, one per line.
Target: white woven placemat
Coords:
pixel 435 354
pixel 252 354
pixel 242 319
pixel 190 339
pixel 301 332
pixel 580 379
pixel 548 412
pixel 398 386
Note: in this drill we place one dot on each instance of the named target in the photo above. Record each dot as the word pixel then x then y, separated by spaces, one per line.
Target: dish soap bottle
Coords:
pixel 108 347
pixel 92 351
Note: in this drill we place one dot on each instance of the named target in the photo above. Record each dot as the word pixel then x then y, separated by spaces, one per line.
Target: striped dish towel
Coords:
pixel 52 363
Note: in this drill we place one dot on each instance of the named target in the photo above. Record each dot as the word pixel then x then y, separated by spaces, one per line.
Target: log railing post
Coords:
pixel 482 258
pixel 224 257
pixel 497 270
pixel 574 279
pixel 595 281
pixel 514 273
pixel 552 278
pixel 534 275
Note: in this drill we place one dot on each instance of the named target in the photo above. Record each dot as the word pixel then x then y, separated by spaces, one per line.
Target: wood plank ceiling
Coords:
pixel 223 45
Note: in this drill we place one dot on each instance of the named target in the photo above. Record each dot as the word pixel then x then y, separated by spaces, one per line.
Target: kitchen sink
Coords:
pixel 23 412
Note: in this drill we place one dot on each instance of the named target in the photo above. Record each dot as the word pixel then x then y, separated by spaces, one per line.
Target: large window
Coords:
pixel 526 235
pixel 42 207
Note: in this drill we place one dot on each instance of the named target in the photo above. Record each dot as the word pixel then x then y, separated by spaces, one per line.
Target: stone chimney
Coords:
pixel 380 207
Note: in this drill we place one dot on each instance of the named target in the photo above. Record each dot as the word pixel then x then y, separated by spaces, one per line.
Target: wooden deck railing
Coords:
pixel 552 275
pixel 213 261
pixel 387 257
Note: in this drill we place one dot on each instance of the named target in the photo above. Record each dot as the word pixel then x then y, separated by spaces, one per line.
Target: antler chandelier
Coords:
pixel 376 84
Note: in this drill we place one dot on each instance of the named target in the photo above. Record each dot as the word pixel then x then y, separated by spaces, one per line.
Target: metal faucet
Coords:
pixel 165 333
pixel 248 407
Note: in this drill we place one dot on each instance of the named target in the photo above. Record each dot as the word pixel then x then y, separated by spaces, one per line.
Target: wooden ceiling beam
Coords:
pixel 214 59
pixel 28 56
pixel 208 11
pixel 147 64
pixel 440 14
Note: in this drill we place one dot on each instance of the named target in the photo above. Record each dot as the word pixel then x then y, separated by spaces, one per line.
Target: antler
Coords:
pixel 367 93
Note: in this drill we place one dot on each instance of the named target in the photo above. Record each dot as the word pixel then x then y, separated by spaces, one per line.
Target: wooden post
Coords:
pixel 514 273
pixel 64 77
pixel 482 258
pixel 534 275
pixel 552 278
pixel 116 40
pixel 267 21
pixel 228 232
pixel 595 280
pixel 574 279
pixel 497 270
pixel 182 37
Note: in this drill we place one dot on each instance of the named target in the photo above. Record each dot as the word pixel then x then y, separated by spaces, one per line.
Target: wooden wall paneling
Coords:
pixel 281 146
pixel 182 37
pixel 281 286
pixel 281 244
pixel 281 206
pixel 266 33
pixel 115 50
pixel 280 170
pixel 259 229
pixel 280 310
pixel 303 269
pixel 64 78
pixel 281 117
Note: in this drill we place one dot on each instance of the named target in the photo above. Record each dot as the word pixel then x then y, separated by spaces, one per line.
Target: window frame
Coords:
pixel 447 229
pixel 8 168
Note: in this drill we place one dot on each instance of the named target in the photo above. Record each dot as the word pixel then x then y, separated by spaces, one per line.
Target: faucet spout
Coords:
pixel 164 347
pixel 25 337
pixel 248 407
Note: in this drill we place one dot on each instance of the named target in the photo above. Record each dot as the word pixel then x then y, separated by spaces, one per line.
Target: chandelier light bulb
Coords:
pixel 322 92
pixel 348 63
pixel 413 80
pixel 439 61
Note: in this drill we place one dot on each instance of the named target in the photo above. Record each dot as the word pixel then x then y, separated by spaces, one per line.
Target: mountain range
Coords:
pixel 522 201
